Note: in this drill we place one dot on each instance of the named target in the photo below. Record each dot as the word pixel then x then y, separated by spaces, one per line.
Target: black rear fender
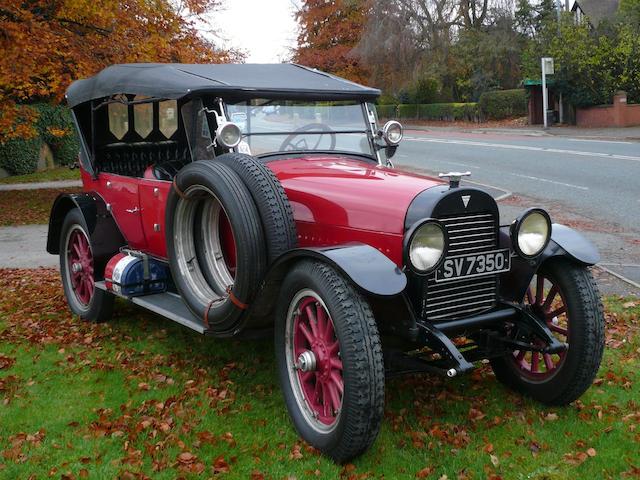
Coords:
pixel 565 242
pixel 105 236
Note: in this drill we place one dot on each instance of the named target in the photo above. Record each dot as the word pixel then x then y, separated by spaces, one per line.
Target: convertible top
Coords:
pixel 235 81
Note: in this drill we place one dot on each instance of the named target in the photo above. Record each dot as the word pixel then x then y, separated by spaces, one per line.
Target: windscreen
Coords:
pixel 272 126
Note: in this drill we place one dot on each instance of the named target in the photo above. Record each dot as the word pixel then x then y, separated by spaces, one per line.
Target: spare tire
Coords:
pixel 215 244
pixel 271 200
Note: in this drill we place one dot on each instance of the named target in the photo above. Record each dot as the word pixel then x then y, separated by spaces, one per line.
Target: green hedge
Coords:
pixel 407 111
pixel 449 112
pixel 431 111
pixel 387 111
pixel 19 156
pixel 53 119
pixel 503 104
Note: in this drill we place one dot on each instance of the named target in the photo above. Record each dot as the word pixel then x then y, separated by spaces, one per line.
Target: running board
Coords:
pixel 168 304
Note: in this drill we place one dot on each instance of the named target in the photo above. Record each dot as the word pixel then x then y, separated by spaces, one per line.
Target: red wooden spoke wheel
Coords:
pixel 313 355
pixel 547 301
pixel 80 265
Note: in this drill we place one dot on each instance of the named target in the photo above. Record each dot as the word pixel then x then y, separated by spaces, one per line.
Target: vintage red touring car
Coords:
pixel 246 198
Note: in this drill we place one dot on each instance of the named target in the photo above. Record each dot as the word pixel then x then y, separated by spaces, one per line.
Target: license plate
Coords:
pixel 466 266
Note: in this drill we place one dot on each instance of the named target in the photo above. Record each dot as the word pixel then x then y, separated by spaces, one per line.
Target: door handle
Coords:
pixel 132 210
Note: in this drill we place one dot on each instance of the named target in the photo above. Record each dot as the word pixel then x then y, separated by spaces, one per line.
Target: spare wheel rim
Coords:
pixel 313 360
pixel 185 244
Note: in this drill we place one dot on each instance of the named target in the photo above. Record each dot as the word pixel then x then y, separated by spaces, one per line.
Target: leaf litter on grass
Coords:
pixel 148 399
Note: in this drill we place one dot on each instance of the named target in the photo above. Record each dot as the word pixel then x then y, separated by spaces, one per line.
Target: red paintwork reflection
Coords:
pixel 338 200
pixel 335 200
pixel 228 243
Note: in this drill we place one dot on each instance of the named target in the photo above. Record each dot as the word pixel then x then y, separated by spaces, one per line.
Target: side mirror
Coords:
pixel 391 133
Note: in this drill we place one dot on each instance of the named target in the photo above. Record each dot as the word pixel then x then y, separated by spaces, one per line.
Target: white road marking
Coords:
pixel 598 141
pixel 617 275
pixel 462 164
pixel 549 181
pixel 524 147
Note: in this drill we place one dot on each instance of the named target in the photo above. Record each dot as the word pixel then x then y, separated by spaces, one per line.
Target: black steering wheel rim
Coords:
pixel 326 130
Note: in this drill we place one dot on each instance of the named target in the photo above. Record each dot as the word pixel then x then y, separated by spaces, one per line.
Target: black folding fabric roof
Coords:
pixel 177 80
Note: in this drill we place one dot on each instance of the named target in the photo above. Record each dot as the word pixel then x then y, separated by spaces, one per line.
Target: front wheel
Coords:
pixel 566 296
pixel 330 361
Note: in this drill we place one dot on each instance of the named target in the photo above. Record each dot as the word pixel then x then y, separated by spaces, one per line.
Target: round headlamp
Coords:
pixel 531 232
pixel 228 135
pixel 391 133
pixel 426 246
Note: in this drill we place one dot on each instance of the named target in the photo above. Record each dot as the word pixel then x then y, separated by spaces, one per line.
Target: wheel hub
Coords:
pixel 76 267
pixel 307 361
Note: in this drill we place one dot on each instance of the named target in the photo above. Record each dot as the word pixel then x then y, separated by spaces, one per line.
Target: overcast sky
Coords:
pixel 264 29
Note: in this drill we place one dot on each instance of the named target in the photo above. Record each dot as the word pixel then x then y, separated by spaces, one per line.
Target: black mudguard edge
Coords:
pixel 565 242
pixel 370 270
pixel 106 238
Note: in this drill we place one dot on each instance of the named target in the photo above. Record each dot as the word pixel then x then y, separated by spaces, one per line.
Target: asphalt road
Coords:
pixel 592 185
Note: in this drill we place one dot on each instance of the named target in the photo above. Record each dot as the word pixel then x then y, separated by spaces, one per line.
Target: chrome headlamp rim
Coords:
pixel 517 224
pixel 220 130
pixel 384 132
pixel 408 240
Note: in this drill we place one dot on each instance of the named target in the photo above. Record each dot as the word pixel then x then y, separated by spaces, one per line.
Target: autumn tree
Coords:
pixel 329 31
pixel 47 44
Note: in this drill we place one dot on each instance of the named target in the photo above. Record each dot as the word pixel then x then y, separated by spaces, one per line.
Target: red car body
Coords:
pixel 331 196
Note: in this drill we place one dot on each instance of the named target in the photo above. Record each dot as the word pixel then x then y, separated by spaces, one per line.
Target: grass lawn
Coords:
pixel 28 207
pixel 58 173
pixel 141 397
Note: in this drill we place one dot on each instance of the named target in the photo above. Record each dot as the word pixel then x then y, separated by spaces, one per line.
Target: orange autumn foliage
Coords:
pixel 46 44
pixel 329 32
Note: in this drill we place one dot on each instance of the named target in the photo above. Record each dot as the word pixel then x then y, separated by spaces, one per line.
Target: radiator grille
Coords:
pixel 468 234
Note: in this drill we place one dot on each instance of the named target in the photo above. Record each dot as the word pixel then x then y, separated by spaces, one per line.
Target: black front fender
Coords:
pixel 367 268
pixel 565 242
pixel 105 236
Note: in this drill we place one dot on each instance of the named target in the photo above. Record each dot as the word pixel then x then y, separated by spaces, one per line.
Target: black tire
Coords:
pixel 271 200
pixel 585 320
pixel 100 306
pixel 359 416
pixel 202 285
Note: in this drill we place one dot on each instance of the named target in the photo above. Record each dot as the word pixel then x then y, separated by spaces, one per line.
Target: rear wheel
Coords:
pixel 330 361
pixel 566 297
pixel 77 271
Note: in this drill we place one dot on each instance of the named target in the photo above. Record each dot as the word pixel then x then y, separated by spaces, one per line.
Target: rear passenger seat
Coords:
pixel 132 159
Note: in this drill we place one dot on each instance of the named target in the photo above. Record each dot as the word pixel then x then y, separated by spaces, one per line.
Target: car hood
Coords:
pixel 345 192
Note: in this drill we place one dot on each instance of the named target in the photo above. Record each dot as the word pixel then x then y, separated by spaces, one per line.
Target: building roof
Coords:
pixel 597 10
pixel 234 81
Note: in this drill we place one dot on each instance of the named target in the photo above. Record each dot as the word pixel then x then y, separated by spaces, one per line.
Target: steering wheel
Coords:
pixel 302 144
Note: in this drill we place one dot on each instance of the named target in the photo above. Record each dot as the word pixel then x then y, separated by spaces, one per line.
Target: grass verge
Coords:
pixel 28 207
pixel 58 173
pixel 141 397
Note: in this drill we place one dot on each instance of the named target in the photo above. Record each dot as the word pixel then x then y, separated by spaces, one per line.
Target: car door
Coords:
pixel 121 195
pixel 153 198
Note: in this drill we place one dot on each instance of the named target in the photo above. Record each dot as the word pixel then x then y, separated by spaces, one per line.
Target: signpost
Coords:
pixel 547 69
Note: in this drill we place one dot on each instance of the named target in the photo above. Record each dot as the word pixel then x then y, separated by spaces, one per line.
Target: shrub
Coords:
pixel 425 90
pixel 19 156
pixel 56 128
pixel 449 112
pixel 503 104
pixel 387 99
pixel 407 111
